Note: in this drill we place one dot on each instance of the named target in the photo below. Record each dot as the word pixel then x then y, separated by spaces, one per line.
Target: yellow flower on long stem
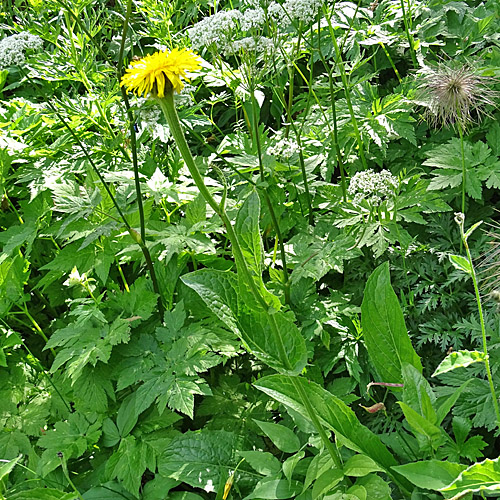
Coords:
pixel 156 72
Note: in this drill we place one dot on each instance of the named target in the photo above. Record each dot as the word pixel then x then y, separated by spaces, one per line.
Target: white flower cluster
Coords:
pixel 284 148
pixel 249 44
pixel 290 10
pixel 214 29
pixel 372 186
pixel 12 48
pixel 253 19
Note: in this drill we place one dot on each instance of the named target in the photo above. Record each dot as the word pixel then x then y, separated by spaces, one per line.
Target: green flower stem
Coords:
pixel 140 240
pixel 168 107
pixel 483 328
pixel 345 83
pixel 408 35
pixel 68 478
pixel 464 169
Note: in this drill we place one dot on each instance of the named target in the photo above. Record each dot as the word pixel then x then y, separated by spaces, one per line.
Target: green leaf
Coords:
pixel 275 489
pixel 384 329
pixel 72 437
pixel 430 474
pixel 421 425
pixel 448 403
pixel 127 415
pixel 417 393
pixel 290 463
pixel 248 233
pixel 332 412
pixel 326 482
pixel 283 438
pixel 201 459
pixel 219 290
pixel 360 465
pixel 459 359
pixel 262 461
pixel 378 488
pixel 43 494
pixel 157 488
pixel 108 491
pixel 183 495
pixel 110 433
pixel 5 468
pixel 128 463
pixel 483 476
pixel 461 263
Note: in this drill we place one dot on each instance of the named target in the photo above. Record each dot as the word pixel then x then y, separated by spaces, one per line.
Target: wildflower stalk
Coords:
pixel 460 218
pixel 345 83
pixel 141 241
pixel 168 107
pixel 408 35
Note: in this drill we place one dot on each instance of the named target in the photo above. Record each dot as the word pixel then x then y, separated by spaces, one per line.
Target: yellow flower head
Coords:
pixel 158 69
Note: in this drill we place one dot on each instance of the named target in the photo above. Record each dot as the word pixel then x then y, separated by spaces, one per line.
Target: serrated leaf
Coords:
pixel 129 462
pixel 200 458
pixel 283 438
pixel 384 328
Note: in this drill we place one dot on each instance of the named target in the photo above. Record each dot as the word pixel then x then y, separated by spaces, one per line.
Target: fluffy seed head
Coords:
pixel 454 96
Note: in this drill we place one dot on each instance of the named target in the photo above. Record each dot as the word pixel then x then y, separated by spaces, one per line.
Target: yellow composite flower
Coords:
pixel 152 72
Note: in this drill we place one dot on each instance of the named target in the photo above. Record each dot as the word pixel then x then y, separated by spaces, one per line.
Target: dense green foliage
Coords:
pixel 312 317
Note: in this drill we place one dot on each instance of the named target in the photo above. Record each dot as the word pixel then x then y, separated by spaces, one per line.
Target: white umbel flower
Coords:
pixel 12 48
pixel 374 187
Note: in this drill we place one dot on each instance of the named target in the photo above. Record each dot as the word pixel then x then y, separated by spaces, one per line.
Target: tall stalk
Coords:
pixel 168 107
pixel 460 218
pixel 133 146
pixel 345 83
pixel 409 37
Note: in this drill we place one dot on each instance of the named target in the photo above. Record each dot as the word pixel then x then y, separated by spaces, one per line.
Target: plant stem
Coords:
pixel 345 83
pixel 483 328
pixel 408 35
pixel 168 108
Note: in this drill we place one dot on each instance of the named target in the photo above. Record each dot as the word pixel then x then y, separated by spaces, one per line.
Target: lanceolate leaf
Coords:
pixel 384 329
pixel 333 413
pixel 248 231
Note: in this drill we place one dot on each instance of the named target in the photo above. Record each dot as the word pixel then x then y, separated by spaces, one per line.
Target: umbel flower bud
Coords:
pixel 454 95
